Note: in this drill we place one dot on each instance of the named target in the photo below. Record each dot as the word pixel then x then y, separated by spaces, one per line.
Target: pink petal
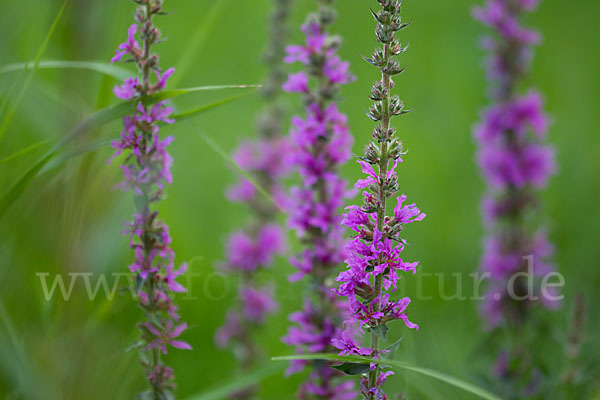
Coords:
pixel 180 345
pixel 367 168
pixel 177 331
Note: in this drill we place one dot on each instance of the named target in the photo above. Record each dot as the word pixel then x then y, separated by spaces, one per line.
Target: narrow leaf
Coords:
pixel 352 368
pixel 15 191
pixel 217 149
pixel 199 110
pixel 115 71
pixel 468 387
pixel 23 151
pixel 36 61
pixel 101 117
pixel 392 348
pixel 9 94
pixel 194 45
pixel 235 384
pixel 12 333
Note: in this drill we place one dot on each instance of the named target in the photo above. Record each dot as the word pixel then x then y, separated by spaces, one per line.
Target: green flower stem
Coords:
pixel 383 165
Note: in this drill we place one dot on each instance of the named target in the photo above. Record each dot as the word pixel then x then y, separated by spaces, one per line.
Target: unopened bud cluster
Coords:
pixel 374 261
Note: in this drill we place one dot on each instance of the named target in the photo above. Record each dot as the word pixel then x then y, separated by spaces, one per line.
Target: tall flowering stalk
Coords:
pixel 374 261
pixel 515 162
pixel 251 250
pixel 321 142
pixel 571 377
pixel 146 169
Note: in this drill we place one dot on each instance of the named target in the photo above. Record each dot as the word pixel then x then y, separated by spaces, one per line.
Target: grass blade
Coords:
pixel 97 119
pixel 36 61
pixel 100 143
pixel 197 41
pixel 13 87
pixel 23 151
pixel 19 187
pixel 12 334
pixel 169 94
pixel 217 149
pixel 234 385
pixel 199 110
pixel 468 387
pixel 96 66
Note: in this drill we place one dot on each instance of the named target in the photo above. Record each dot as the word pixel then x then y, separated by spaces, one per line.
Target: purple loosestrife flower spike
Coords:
pixel 515 161
pixel 374 255
pixel 146 170
pixel 251 250
pixel 321 143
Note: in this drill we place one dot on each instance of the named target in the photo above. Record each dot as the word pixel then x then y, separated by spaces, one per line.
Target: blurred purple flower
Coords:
pixel 321 143
pixel 128 90
pixel 512 156
pixel 166 336
pixel 131 46
pixel 296 83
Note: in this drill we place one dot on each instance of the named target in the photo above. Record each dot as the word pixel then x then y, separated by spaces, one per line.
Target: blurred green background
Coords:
pixel 69 219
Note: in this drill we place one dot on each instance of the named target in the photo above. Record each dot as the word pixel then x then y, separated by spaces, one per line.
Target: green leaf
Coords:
pixel 101 117
pixel 105 68
pixel 468 387
pixel 352 368
pixel 16 363
pixel 12 334
pixel 199 110
pixel 392 348
pixel 23 151
pixel 134 345
pixel 235 384
pixel 36 61
pixel 194 45
pixel 15 191
pixel 9 94
pixel 381 331
pixel 179 117
pixel 169 94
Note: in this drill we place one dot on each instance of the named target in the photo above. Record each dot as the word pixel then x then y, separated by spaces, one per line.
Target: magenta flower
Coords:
pixel 257 304
pixel 342 391
pixel 315 41
pixel 243 191
pixel 165 337
pixel 321 144
pixel 348 346
pixel 146 171
pixel 229 330
pixel 161 79
pixel 131 46
pixel 128 90
pixel 171 274
pixel 248 253
pixel 405 214
pixel 374 259
pixel 296 83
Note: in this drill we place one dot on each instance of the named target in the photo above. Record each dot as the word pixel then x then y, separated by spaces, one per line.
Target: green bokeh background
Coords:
pixel 69 219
